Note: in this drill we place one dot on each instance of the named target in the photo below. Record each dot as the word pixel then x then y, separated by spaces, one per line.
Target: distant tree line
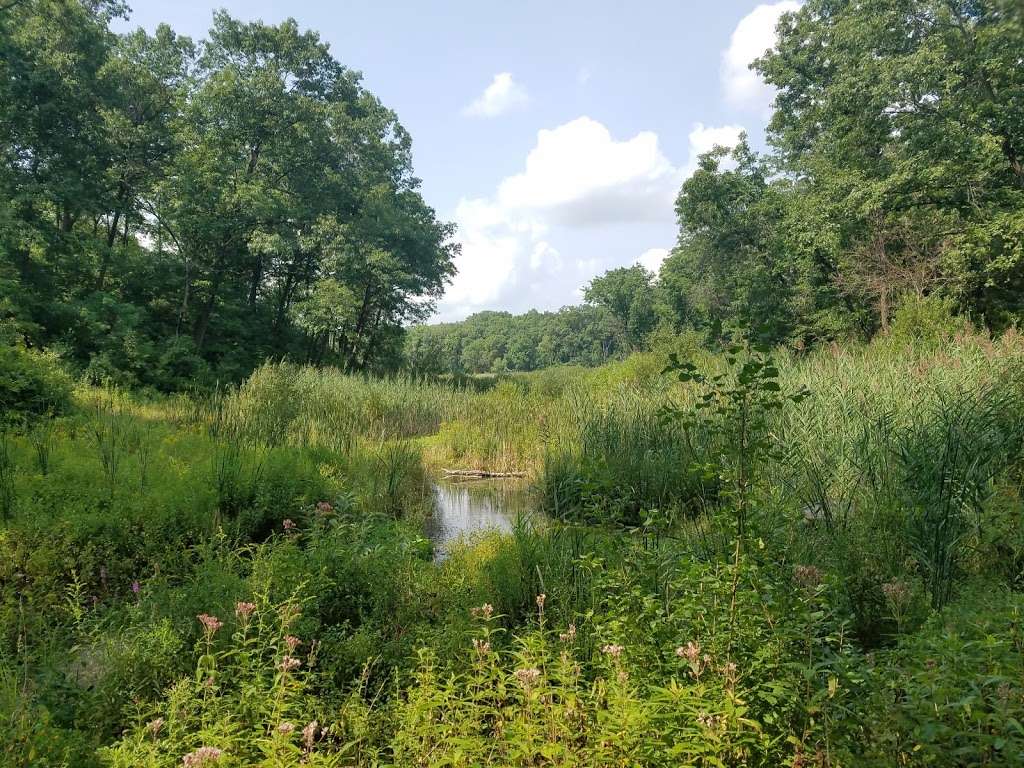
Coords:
pixel 175 211
pixel 895 170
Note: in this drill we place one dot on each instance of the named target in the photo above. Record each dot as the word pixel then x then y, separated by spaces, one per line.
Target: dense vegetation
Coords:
pixel 772 579
pixel 784 529
pixel 173 213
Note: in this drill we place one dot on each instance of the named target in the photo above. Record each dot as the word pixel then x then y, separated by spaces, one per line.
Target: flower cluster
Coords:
pixel 202 757
pixel 309 734
pixel 483 612
pixel 611 649
pixel 210 623
pixel 244 610
pixel 807 576
pixel 569 635
pixel 528 677
pixel 289 525
pixel 289 663
pixel 285 728
pixel 292 642
pixel 897 593
pixel 482 647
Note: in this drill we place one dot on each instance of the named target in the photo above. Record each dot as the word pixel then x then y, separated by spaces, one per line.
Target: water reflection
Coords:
pixel 464 508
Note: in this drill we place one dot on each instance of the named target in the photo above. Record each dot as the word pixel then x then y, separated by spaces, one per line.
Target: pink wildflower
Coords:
pixel 153 727
pixel 485 611
pixel 202 757
pixel 285 728
pixel 569 635
pixel 482 647
pixel 210 623
pixel 136 587
pixel 611 649
pixel 244 610
pixel 289 663
pixel 324 507
pixel 289 525
pixel 527 677
pixel 292 642
pixel 309 734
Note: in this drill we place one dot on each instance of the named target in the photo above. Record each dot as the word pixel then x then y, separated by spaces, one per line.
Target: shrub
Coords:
pixel 32 384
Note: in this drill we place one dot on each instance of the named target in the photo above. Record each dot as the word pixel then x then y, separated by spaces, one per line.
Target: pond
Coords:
pixel 462 508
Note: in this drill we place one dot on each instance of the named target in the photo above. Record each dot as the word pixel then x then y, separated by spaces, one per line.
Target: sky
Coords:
pixel 555 135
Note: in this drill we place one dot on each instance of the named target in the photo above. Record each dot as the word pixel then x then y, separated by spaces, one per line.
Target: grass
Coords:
pixel 869 614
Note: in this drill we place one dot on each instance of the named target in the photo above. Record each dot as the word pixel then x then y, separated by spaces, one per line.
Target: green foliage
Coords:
pixel 32 384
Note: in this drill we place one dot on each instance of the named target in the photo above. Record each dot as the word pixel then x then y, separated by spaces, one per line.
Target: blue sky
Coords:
pixel 555 134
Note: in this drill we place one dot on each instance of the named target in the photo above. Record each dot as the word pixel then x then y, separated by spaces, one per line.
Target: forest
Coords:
pixel 764 507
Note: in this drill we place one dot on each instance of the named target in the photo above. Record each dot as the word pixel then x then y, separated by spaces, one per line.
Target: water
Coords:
pixel 465 508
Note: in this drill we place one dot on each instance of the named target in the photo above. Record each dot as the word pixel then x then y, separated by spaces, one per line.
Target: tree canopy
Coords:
pixel 174 210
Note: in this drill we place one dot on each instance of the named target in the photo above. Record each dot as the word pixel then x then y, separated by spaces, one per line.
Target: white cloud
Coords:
pixel 651 258
pixel 502 95
pixel 576 177
pixel 754 35
pixel 704 138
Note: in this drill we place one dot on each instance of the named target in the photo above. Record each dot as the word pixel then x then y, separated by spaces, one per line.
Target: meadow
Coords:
pixel 743 557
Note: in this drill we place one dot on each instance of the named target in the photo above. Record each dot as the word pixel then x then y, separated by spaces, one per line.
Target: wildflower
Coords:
pixel 485 611
pixel 285 728
pixel 708 721
pixel 244 610
pixel 569 635
pixel 292 642
pixel 136 587
pixel 210 623
pixel 324 507
pixel 289 525
pixel 690 652
pixel 896 592
pixel 288 663
pixel 807 576
pixel 527 677
pixel 482 647
pixel 153 727
pixel 309 734
pixel 201 757
pixel 611 649
pixel 540 600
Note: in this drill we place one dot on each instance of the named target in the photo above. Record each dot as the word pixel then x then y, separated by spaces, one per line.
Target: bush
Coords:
pixel 32 384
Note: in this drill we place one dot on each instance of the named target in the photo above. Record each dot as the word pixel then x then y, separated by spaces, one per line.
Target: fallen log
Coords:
pixel 479 474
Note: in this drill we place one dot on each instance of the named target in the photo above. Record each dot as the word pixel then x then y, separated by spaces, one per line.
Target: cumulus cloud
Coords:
pixel 576 177
pixel 754 35
pixel 651 259
pixel 502 95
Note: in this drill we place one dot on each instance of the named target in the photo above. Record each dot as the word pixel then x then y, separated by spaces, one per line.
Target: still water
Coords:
pixel 461 509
